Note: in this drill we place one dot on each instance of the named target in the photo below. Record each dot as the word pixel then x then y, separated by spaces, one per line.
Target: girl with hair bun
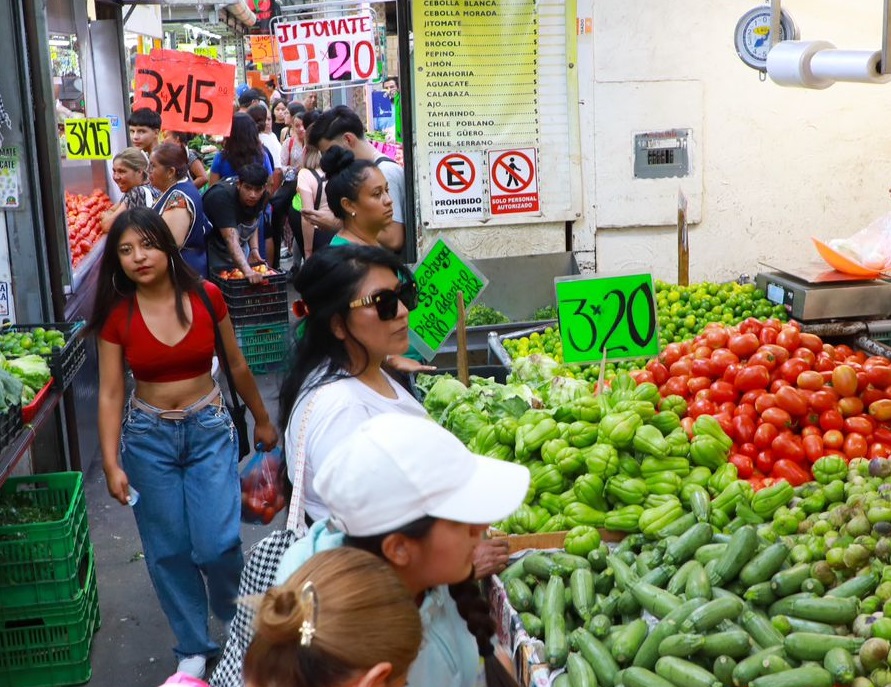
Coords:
pixel 344 618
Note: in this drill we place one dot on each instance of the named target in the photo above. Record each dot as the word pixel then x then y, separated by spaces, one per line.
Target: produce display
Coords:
pixel 16 509
pixel 28 374
pixel 234 274
pixel 795 597
pixel 480 314
pixel 83 214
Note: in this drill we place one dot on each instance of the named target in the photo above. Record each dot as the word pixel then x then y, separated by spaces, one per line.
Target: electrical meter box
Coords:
pixel 662 154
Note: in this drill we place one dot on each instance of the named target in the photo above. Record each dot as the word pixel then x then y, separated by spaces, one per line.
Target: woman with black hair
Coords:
pixel 177 443
pixel 242 147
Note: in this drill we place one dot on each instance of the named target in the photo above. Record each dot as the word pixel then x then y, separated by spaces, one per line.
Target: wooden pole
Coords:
pixel 461 332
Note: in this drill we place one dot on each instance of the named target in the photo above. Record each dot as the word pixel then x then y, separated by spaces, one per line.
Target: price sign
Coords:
pixel 191 93
pixel 88 139
pixel 440 276
pixel 611 315
pixel 261 49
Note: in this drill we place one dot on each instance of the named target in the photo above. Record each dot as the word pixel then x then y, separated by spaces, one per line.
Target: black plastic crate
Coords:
pixel 64 362
pixel 10 425
pixel 254 304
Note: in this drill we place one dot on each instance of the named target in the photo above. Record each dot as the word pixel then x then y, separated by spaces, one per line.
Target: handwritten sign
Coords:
pixel 262 49
pixel 321 52
pixel 211 51
pixel 88 139
pixel 615 315
pixel 191 93
pixel 440 275
pixel 9 177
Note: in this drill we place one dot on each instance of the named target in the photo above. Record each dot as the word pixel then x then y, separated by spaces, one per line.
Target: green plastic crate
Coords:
pixel 44 562
pixel 49 645
pixel 264 346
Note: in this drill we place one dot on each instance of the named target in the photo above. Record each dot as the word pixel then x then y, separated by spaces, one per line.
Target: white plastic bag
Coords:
pixel 871 246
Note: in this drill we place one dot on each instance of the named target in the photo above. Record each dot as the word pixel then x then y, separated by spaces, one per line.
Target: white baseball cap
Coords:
pixel 395 469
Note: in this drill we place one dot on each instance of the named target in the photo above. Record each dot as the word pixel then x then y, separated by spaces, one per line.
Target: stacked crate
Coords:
pixel 259 314
pixel 49 602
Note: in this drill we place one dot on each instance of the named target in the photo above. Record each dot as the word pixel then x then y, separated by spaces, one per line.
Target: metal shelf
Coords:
pixel 12 454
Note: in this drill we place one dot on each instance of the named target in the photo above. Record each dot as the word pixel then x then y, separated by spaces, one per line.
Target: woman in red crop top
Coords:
pixel 177 443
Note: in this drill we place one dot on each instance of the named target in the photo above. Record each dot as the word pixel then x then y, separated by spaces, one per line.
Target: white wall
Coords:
pixel 778 165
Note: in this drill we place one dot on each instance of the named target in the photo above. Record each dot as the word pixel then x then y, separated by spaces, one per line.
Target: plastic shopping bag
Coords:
pixel 264 483
pixel 870 247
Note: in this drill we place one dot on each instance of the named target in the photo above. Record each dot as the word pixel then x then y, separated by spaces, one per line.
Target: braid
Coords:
pixel 473 607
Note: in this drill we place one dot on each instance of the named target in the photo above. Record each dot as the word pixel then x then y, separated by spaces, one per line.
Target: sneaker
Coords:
pixel 193 666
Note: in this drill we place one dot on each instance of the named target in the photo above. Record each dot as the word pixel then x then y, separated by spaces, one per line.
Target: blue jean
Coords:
pixel 188 515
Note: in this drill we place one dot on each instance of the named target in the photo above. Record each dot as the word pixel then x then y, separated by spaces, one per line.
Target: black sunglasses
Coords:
pixel 387 301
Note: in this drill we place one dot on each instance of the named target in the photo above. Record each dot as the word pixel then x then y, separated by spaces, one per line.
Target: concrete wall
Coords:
pixel 778 165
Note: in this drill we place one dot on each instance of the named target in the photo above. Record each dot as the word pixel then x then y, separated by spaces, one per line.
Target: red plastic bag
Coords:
pixel 263 487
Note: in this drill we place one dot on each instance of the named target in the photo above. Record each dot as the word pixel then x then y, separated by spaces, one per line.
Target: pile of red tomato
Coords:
pixel 784 397
pixel 83 214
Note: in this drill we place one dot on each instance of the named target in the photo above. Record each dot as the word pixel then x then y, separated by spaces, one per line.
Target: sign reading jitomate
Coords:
pixel 513 181
pixel 458 185
pixel 191 93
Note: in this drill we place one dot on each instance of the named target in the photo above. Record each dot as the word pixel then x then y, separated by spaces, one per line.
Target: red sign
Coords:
pixel 455 173
pixel 513 182
pixel 191 93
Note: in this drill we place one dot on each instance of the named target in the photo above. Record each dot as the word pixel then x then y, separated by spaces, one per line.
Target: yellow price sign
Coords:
pixel 262 49
pixel 88 139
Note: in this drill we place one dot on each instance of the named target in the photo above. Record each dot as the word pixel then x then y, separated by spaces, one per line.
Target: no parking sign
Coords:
pixel 513 181
pixel 457 185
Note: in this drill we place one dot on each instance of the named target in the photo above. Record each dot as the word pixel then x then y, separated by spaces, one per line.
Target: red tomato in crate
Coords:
pixel 764 435
pixel 764 461
pixel 788 446
pixel 861 424
pixel 777 417
pixel 745 466
pixel 850 406
pixel 752 377
pixel 844 380
pixel 855 446
pixel 792 401
pixel 793 473
pixel 744 344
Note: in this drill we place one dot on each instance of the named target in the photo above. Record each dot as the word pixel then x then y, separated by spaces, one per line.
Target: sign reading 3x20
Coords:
pixel 612 316
pixel 191 93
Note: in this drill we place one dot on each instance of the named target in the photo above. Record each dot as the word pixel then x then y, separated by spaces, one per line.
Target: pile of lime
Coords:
pixel 39 340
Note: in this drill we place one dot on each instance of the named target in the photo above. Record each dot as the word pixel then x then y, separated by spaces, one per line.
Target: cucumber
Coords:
pixel 764 565
pixel 740 550
pixel 687 544
pixel 580 672
pixel 789 581
pixel 678 582
pixel 532 624
pixel 518 594
pixel 598 657
pixel 681 645
pixel 698 583
pixel 570 562
pixel 581 585
pixel 541 566
pixel 754 666
pixel 860 586
pixel 682 673
pixel 823 610
pixel 806 676
pixel 648 653
pixel 709 552
pixel 840 665
pixel 711 614
pixel 641 677
pixel 538 598
pixel 599 626
pixel 723 670
pixel 556 640
pixel 733 643
pixel 629 640
pixel 760 594
pixel 760 629
pixel 656 601
pixel 809 646
pixel 514 570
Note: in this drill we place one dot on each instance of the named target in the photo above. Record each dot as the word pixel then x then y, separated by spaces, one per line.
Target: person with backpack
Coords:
pixel 311 190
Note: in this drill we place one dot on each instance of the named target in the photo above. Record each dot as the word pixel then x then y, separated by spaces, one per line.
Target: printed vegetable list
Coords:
pixel 440 276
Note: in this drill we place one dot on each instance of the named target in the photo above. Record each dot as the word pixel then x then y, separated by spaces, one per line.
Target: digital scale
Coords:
pixel 813 292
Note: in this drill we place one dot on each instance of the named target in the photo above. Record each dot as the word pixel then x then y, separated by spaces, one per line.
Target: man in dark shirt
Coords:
pixel 236 210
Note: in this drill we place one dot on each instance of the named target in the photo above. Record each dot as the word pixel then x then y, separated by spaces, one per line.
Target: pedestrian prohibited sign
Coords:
pixel 457 186
pixel 513 181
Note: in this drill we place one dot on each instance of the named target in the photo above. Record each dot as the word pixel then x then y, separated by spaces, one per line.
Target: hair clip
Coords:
pixel 309 602
pixel 301 309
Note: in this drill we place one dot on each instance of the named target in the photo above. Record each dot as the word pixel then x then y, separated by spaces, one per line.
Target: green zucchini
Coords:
pixel 700 504
pixel 733 643
pixel 813 586
pixel 840 664
pixel 789 581
pixel 598 656
pixel 809 646
pixel 514 570
pixel 709 552
pixel 629 640
pixel 641 677
pixel 658 576
pixel 806 676
pixel 581 585
pixel 604 581
pixel 698 583
pixel 678 582
pixel 760 629
pixel 570 562
pixel 681 645
pixel 711 614
pixel 860 587
pixel 555 599
pixel 683 673
pixel 754 666
pixel 518 594
pixel 538 598
pixel 556 640
pixel 764 565
pixel 760 594
pixel 599 625
pixel 541 566
pixel 625 576
pixel 723 670
pixel 562 680
pixel 678 527
pixel 532 624
pixel 687 544
pixel 823 610
pixel 648 653
pixel 598 558
pixel 801 625
pixel 656 601
pixel 740 550
pixel 580 672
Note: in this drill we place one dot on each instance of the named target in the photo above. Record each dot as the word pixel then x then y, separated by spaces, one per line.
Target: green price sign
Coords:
pixel 440 276
pixel 611 315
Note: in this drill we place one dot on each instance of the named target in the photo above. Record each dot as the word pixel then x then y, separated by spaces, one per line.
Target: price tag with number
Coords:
pixel 611 316
pixel 88 139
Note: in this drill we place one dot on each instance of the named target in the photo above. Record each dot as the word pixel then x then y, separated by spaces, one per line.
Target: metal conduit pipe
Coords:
pixel 872 347
pixel 835 329
pixel 879 326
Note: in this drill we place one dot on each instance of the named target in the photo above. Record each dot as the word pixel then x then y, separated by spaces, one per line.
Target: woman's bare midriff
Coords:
pixel 175 395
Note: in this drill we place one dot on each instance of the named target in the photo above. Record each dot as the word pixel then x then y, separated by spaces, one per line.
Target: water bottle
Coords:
pixel 132 496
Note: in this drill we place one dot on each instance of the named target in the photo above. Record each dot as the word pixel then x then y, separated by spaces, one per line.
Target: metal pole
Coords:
pixel 403 33
pixel 775 22
pixel 885 64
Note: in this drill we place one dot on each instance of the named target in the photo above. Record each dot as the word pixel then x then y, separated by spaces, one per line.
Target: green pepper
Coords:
pixel 829 468
pixel 653 466
pixel 664 483
pixel 722 478
pixel 626 490
pixel 652 520
pixel 582 434
pixel 618 428
pixel 570 461
pixel 625 519
pixel 506 431
pixel 835 491
pixel 675 404
pixel 678 443
pixel 556 523
pixel 708 452
pixel 649 440
pixel 769 499
pixel 643 409
pixel 706 425
pixel 551 448
pixel 552 503
pixel 601 459
pixel 582 540
pixel 700 476
pixel 580 514
pixel 665 421
pixel 531 437
pixel 485 438
pixel 548 479
pixel 589 490
pixel 528 519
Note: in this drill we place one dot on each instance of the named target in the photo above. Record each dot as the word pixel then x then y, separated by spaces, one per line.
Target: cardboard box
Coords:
pixel 547 540
pixel 530 665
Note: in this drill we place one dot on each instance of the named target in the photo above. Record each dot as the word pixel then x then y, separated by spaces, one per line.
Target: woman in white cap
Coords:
pixel 407 490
